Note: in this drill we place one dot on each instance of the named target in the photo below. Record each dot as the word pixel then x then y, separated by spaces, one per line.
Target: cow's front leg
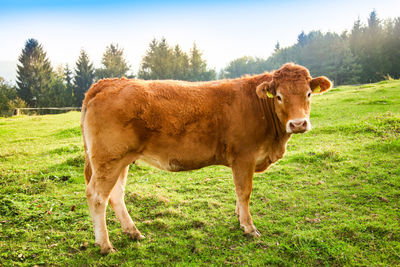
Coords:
pixel 243 171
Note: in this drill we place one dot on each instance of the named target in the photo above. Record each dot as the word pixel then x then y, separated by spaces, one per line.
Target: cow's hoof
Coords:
pixel 135 235
pixel 251 231
pixel 254 233
pixel 107 250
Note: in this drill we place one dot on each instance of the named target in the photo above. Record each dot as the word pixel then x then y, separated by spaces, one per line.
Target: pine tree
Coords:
pixel 67 75
pixel 368 44
pixel 114 63
pixel 60 92
pixel 392 47
pixel 198 66
pixel 373 21
pixel 158 63
pixel 302 39
pixel 147 66
pixel 355 37
pixel 57 93
pixel 277 47
pixel 164 62
pixel 33 74
pixel 83 79
pixel 69 88
pixel 180 64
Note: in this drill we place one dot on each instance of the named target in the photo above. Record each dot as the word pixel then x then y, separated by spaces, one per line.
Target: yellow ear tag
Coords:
pixel 317 89
pixel 270 95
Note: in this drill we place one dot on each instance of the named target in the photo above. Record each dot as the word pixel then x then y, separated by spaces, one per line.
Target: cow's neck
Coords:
pixel 277 131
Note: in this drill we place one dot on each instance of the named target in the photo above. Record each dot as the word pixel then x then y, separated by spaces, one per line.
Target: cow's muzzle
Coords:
pixel 298 125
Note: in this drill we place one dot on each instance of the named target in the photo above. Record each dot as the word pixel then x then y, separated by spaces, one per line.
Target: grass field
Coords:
pixel 333 200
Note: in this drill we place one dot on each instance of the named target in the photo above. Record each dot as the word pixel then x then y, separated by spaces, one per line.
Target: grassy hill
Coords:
pixel 333 200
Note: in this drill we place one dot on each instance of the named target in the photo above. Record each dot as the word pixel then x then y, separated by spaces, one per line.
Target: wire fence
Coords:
pixel 37 111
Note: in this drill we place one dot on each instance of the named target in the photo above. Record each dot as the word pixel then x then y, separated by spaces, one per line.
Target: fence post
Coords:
pixel 16 112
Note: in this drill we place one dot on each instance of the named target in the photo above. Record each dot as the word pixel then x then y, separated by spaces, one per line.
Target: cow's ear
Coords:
pixel 266 90
pixel 320 84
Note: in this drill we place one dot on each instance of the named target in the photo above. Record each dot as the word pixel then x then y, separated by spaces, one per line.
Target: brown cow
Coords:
pixel 242 123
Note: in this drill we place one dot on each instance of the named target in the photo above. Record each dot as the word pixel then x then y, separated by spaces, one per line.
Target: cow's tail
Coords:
pixel 88 166
pixel 90 94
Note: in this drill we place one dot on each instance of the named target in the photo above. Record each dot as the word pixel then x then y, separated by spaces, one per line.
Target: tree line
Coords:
pixel 39 85
pixel 367 53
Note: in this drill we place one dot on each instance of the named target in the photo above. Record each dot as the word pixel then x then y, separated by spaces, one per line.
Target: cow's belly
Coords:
pixel 176 164
pixel 189 151
pixel 180 155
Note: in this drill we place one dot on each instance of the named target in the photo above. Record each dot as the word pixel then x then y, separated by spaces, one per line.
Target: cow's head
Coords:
pixel 290 89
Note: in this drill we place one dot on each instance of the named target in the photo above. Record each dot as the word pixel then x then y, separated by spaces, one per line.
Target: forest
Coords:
pixel 367 53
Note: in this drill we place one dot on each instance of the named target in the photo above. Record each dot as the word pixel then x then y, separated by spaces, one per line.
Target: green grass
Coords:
pixel 333 200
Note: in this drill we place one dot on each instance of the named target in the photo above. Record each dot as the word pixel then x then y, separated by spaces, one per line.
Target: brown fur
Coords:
pixel 177 126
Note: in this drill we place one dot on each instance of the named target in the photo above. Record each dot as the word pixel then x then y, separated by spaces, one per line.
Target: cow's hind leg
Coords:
pixel 243 178
pixel 118 204
pixel 98 191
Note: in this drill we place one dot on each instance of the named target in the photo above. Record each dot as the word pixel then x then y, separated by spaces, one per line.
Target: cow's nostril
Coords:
pixel 298 125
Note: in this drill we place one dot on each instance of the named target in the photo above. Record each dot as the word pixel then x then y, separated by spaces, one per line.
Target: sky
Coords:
pixel 222 30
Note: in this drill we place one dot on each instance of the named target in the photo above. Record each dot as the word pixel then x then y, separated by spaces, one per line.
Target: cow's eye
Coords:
pixel 309 95
pixel 279 98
